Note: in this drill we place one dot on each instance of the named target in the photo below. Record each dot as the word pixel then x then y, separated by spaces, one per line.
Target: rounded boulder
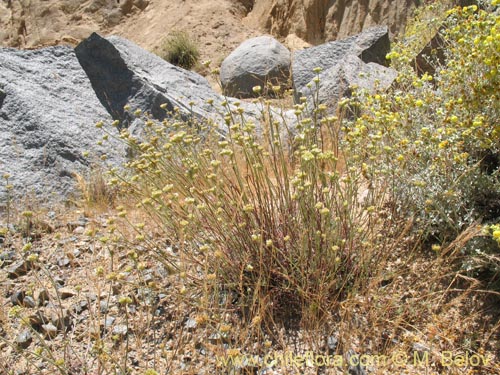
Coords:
pixel 256 62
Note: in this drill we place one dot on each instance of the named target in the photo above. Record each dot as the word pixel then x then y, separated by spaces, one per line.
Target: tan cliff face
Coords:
pixel 318 21
pixel 217 26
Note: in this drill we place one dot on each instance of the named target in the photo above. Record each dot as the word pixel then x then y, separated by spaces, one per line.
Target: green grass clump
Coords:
pixel 179 49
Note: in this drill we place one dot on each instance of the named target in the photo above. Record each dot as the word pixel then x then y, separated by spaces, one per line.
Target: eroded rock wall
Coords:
pixel 317 21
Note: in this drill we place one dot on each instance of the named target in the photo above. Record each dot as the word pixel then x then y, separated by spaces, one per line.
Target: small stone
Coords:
pixel 60 319
pixel 49 330
pixel 354 370
pixel 36 320
pixel 63 262
pixel 191 324
pixel 19 269
pixel 160 311
pixel 17 298
pixel 420 349
pixel 24 339
pixel 29 302
pixel 116 288
pixel 79 230
pixel 148 277
pixel 141 4
pixel 79 307
pixel 109 321
pixel 332 344
pixel 215 338
pixel 103 306
pixel 66 293
pixel 120 329
pixel 72 225
pixel 7 257
pixel 42 297
pixel 134 361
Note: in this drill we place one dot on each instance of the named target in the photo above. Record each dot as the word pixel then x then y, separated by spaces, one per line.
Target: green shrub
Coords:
pixel 179 49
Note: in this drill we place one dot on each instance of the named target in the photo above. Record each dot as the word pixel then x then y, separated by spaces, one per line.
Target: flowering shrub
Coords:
pixel 279 225
pixel 434 140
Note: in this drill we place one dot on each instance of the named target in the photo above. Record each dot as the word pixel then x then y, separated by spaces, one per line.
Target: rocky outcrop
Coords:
pixel 372 45
pixel 338 81
pixel 48 112
pixel 42 22
pixel 318 21
pixel 257 61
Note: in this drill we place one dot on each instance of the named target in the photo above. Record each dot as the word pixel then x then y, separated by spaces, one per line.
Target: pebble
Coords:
pixel 29 302
pixel 355 370
pixel 420 348
pixel 24 339
pixel 7 257
pixel 37 319
pixel 19 269
pixel 120 329
pixel 215 338
pixel 191 324
pixel 42 297
pixel 66 293
pixel 63 262
pixel 17 298
pixel 79 230
pixel 79 307
pixel 49 330
pixel 332 344
pixel 74 225
pixel 103 306
pixel 109 321
pixel 60 319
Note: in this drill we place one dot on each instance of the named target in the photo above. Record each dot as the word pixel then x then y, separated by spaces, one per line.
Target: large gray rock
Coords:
pixel 123 73
pixel 51 99
pixel 48 112
pixel 338 81
pixel 256 61
pixel 372 45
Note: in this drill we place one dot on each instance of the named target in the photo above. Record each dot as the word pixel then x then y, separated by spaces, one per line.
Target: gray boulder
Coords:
pixel 123 73
pixel 256 61
pixel 51 99
pixel 338 81
pixel 371 46
pixel 48 112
